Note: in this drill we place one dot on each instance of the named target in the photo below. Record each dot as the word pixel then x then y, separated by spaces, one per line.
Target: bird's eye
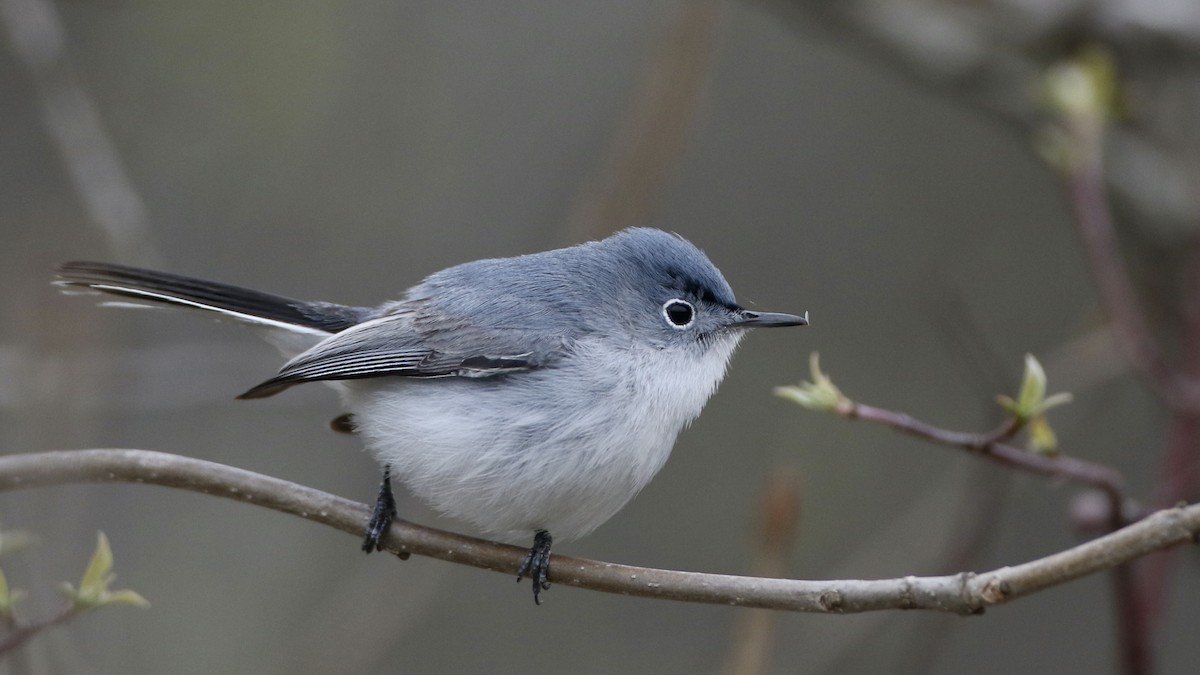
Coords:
pixel 679 313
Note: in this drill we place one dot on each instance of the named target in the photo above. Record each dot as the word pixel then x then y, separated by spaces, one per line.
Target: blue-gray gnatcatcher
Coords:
pixel 534 394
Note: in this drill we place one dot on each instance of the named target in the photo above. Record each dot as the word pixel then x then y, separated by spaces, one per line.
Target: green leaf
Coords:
pixel 1042 439
pixel 126 597
pixel 1033 384
pixel 1031 401
pixel 9 597
pixel 97 576
pixel 1055 400
pixel 1084 87
pixel 94 587
pixel 820 394
pixel 13 541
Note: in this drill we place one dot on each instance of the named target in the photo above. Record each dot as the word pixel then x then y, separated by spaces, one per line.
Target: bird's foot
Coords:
pixel 536 565
pixel 381 517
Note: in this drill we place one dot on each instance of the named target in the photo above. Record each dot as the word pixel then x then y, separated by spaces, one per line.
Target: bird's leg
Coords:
pixel 537 564
pixel 381 517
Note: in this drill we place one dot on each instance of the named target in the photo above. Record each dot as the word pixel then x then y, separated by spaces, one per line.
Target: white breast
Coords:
pixel 560 449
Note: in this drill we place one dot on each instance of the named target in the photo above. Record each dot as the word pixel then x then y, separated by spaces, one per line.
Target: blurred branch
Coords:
pixel 1085 125
pixel 1129 131
pixel 1179 475
pixel 991 54
pixel 37 37
pixel 983 498
pixel 1083 93
pixel 963 593
pixel 22 634
pixel 1139 596
pixel 779 518
pixel 652 137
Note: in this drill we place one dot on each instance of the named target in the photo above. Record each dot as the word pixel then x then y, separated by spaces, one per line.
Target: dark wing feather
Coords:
pixel 393 345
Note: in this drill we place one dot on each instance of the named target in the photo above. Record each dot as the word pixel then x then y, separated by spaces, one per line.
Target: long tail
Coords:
pixel 256 307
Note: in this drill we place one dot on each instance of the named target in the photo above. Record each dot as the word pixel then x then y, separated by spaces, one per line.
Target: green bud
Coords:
pixel 1084 87
pixel 94 586
pixel 8 598
pixel 1031 400
pixel 1033 384
pixel 14 541
pixel 820 394
pixel 1042 439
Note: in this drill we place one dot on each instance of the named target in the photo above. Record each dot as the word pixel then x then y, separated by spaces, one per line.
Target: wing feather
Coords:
pixel 415 342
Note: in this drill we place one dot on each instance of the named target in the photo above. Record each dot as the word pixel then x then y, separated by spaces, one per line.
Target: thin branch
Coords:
pixel 22 633
pixel 1138 596
pixel 964 593
pixel 992 447
pixel 1133 624
pixel 1094 221
pixel 1179 474
pixel 1132 612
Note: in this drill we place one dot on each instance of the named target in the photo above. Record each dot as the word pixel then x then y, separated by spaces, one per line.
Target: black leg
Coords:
pixel 381 518
pixel 537 564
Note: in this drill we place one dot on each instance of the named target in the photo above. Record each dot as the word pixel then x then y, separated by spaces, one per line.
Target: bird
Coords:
pixel 534 394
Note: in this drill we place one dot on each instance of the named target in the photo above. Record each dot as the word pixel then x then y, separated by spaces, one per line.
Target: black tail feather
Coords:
pixel 176 289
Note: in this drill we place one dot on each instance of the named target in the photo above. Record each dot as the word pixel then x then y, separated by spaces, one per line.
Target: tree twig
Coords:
pixel 1179 474
pixel 1132 612
pixel 22 633
pixel 1094 221
pixel 991 446
pixel 963 593
pixel 1138 594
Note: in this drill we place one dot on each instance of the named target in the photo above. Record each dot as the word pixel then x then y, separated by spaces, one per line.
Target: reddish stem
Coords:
pixel 1133 615
pixel 1085 187
pixel 22 633
pixel 992 446
pixel 1178 477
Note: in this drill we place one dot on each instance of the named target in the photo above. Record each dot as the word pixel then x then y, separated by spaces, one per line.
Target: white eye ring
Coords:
pixel 680 314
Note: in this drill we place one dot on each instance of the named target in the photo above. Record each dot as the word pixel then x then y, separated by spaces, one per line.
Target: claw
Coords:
pixel 381 517
pixel 536 564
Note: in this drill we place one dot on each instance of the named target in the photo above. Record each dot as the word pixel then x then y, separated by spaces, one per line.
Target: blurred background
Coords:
pixel 874 163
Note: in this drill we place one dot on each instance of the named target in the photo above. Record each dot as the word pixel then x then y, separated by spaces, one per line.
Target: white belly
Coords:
pixel 560 449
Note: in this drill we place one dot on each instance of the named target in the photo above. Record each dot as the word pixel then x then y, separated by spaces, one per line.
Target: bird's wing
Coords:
pixel 416 344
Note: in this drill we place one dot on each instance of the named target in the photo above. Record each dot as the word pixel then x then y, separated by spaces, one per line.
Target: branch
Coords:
pixel 964 593
pixel 1085 120
pixel 821 394
pixel 779 520
pixel 992 447
pixel 22 634
pixel 1094 221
